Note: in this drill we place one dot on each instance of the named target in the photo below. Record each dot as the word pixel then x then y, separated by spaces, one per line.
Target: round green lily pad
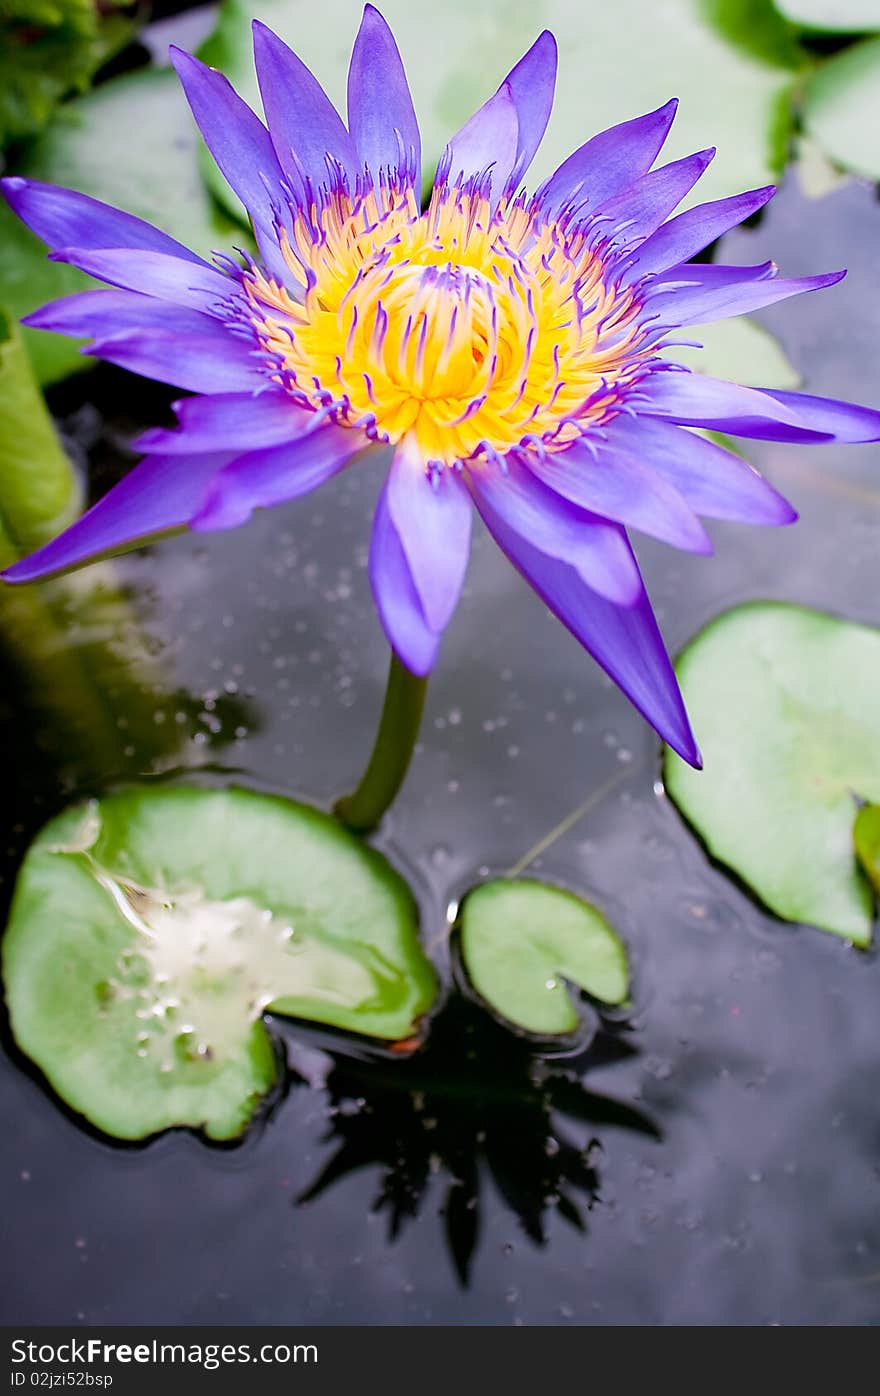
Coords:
pixel 784 703
pixel 151 930
pixel 523 942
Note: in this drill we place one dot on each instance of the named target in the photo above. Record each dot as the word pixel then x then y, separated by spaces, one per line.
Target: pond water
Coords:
pixel 721 1149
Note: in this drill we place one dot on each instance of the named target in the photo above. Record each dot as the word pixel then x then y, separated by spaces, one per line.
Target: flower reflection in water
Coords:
pixel 478 1103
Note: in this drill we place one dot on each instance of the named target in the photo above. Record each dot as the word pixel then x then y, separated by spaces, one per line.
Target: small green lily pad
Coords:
pixel 841 107
pixel 523 942
pixel 150 931
pixel 784 704
pixel 866 836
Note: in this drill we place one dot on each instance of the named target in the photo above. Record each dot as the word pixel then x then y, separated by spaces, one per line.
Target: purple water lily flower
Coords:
pixel 511 349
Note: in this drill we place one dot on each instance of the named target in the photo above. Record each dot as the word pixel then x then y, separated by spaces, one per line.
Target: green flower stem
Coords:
pixel 392 751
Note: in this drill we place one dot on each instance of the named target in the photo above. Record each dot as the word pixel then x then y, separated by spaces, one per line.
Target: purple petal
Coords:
pixel 709 276
pixel 690 232
pixel 105 313
pixel 487 144
pixel 152 273
pixel 595 548
pixel 531 84
pixel 235 136
pixel 697 304
pixel 213 362
pixel 381 115
pixel 639 209
pixel 695 400
pixel 715 482
pixel 397 600
pixel 63 218
pixel 229 422
pixel 844 421
pixel 619 484
pixel 432 518
pixel 304 125
pixel 662 291
pixel 608 163
pixel 161 494
pixel 262 479
pixel 624 640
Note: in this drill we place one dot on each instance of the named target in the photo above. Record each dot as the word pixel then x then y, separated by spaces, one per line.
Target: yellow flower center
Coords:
pixel 473 332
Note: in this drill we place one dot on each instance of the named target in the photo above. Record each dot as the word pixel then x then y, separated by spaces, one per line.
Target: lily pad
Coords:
pixel 784 703
pixel 866 835
pixel 132 143
pixel 523 942
pixel 729 61
pixel 151 931
pixel 739 350
pixel 841 107
pixel 834 16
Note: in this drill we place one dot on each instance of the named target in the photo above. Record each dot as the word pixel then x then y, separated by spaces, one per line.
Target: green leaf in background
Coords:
pixel 841 107
pixel 817 174
pixel 866 835
pixel 28 280
pixel 132 143
pixel 729 61
pixel 39 490
pixel 50 48
pixel 835 16
pixel 522 941
pixel 784 704
pixel 739 350
pixel 150 931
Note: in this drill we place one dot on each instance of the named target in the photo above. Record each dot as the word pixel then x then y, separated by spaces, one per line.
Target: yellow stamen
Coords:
pixel 471 331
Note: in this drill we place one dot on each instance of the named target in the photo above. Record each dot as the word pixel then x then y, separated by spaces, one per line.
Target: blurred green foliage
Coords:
pixel 50 49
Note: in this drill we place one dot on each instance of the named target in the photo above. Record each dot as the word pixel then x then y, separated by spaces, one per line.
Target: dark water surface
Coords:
pixel 738 1179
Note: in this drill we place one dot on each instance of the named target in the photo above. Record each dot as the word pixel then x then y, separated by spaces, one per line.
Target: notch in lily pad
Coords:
pixel 784 700
pixel 525 943
pixel 150 931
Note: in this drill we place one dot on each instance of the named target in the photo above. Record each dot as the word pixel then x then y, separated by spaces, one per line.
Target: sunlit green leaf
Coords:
pixel 524 942
pixel 784 704
pixel 842 107
pixel 151 931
